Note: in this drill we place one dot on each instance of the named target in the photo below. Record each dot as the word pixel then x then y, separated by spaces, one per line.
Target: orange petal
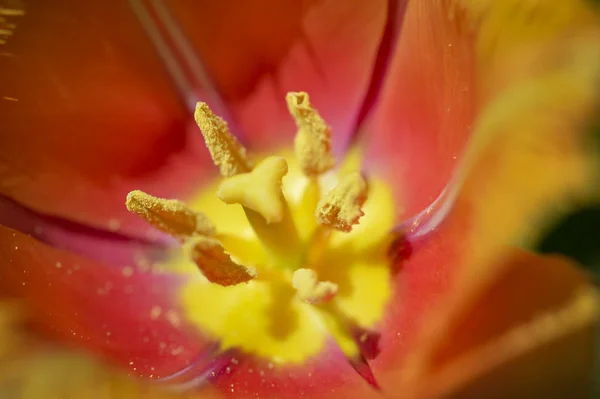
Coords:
pixel 427 104
pixel 88 114
pixel 532 155
pixel 530 333
pixel 127 314
pixel 257 51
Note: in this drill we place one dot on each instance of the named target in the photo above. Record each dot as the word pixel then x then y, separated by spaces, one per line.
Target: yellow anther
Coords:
pixel 171 216
pixel 259 190
pixel 341 207
pixel 227 153
pixel 313 140
pixel 310 289
pixel 216 265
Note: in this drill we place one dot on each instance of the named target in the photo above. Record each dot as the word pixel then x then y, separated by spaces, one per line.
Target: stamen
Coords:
pixel 216 265
pixel 310 289
pixel 227 153
pixel 313 140
pixel 341 207
pixel 259 190
pixel 171 216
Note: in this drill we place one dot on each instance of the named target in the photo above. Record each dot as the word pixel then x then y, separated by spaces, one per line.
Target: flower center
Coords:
pixel 294 252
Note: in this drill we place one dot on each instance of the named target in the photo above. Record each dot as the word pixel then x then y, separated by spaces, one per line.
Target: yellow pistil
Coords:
pixel 310 289
pixel 171 216
pixel 313 140
pixel 216 265
pixel 341 207
pixel 259 190
pixel 227 153
pixel 285 272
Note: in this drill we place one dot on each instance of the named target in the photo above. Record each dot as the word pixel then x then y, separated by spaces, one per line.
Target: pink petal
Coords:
pixel 126 314
pixel 426 107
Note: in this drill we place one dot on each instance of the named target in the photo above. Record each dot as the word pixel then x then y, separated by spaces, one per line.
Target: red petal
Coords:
pixel 257 51
pixel 125 314
pixel 33 368
pixel 426 107
pixel 423 282
pixel 92 116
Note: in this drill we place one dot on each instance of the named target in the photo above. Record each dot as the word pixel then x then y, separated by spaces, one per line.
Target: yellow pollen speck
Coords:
pixel 155 312
pixel 11 12
pixel 313 140
pixel 114 225
pixel 341 207
pixel 311 290
pixel 227 153
pixel 171 216
pixel 173 318
pixel 216 265
pixel 259 190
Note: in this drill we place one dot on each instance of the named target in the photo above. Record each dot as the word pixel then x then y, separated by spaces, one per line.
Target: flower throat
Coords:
pixel 293 253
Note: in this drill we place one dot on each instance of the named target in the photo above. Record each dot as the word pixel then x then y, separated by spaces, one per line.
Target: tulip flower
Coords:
pixel 319 199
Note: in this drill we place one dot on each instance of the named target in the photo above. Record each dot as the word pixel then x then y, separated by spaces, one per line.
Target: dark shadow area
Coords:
pixel 578 237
